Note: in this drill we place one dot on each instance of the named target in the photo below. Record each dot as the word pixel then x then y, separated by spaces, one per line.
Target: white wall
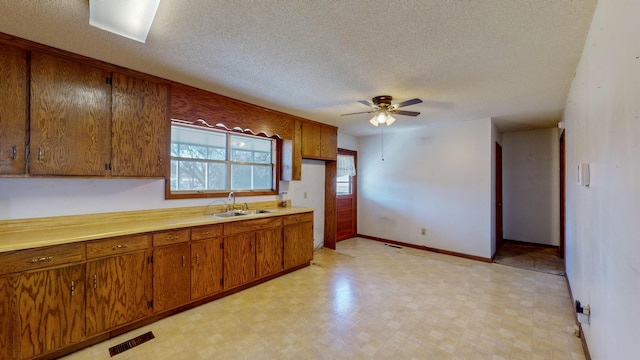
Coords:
pixel 438 178
pixel 348 142
pixel 531 186
pixel 602 119
pixel 309 192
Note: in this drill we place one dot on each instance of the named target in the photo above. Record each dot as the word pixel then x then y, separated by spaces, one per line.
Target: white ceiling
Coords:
pixel 512 60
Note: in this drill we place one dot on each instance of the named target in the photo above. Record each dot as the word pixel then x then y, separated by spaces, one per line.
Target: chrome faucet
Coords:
pixel 231 194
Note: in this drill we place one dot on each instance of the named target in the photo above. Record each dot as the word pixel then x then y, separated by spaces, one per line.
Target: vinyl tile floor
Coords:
pixel 367 300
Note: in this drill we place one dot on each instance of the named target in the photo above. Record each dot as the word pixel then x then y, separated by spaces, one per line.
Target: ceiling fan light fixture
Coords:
pixel 390 120
pixel 129 18
pixel 374 121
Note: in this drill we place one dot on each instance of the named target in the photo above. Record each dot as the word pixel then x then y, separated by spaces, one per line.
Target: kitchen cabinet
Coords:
pixel 139 126
pixel 118 282
pixel 171 269
pixel 206 261
pixel 319 141
pixel 298 239
pixel 8 314
pixel 13 110
pixel 50 309
pixel 242 262
pixel 70 110
pixel 268 251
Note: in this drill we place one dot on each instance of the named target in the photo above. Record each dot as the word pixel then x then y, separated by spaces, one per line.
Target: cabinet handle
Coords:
pixel 252 246
pixel 95 281
pixel 172 237
pixel 206 233
pixel 73 288
pixel 197 260
pixel 37 260
pixel 40 154
pixel 14 152
pixel 119 246
pixel 182 261
pixel 161 160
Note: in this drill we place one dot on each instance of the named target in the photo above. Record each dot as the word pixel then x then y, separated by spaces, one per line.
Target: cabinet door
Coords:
pixel 139 127
pixel 298 244
pixel 239 259
pixel 51 309
pixel 70 117
pixel 117 291
pixel 206 267
pixel 13 110
pixel 310 139
pixel 329 145
pixel 268 251
pixel 171 276
pixel 8 314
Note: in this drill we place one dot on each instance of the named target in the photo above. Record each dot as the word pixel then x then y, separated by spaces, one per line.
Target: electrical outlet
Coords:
pixel 423 231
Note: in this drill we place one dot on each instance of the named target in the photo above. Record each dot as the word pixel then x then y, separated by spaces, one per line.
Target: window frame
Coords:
pixel 188 194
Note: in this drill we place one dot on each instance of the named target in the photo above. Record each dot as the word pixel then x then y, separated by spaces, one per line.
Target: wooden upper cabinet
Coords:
pixel 13 110
pixel 70 114
pixel 140 124
pixel 319 141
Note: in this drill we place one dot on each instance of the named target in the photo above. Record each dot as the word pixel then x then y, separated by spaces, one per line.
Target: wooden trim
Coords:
pixel 583 341
pixel 354 193
pixel 330 202
pixel 421 247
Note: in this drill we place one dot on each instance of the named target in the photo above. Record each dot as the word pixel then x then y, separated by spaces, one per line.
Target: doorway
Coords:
pixel 346 195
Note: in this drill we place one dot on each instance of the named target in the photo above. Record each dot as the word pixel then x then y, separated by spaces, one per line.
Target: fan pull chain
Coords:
pixel 381 143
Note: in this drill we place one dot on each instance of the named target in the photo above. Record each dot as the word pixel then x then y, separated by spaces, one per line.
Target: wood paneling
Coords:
pixel 171 276
pixel 70 117
pixel 206 267
pixel 51 309
pixel 269 251
pixel 330 212
pixel 117 245
pixel 140 127
pixel 191 104
pixel 13 110
pixel 239 259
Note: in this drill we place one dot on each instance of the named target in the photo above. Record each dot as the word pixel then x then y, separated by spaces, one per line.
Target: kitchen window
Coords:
pixel 212 162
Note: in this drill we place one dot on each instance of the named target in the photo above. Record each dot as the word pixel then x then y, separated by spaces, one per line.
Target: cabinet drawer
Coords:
pixel 237 227
pixel 206 232
pixel 298 218
pixel 117 245
pixel 24 260
pixel 170 237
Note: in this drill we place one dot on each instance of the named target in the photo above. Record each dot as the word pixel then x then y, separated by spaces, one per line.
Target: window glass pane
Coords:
pixel 343 188
pixel 188 175
pixel 251 177
pixel 250 149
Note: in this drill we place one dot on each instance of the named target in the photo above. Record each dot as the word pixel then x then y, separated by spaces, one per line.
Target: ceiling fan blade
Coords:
pixel 408 102
pixel 404 112
pixel 361 112
pixel 366 103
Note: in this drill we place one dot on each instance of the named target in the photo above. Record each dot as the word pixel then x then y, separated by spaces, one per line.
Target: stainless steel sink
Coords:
pixel 229 214
pixel 257 211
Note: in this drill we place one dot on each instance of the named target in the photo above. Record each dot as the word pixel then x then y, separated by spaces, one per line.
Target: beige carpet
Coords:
pixel 531 257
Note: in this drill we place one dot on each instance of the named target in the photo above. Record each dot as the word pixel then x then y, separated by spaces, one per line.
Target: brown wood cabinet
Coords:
pixel 207 260
pixel 171 276
pixel 298 239
pixel 9 315
pixel 239 259
pixel 13 110
pixel 51 311
pixel 319 141
pixel 118 282
pixel 70 117
pixel 268 252
pixel 139 125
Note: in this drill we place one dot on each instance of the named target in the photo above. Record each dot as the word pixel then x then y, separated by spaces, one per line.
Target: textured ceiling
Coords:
pixel 512 60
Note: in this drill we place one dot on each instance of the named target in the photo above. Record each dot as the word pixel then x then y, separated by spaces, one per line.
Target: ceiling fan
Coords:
pixel 383 108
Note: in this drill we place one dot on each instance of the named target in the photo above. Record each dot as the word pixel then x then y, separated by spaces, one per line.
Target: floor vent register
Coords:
pixel 129 344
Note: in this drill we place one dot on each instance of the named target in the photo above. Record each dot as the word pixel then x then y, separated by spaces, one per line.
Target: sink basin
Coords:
pixel 230 214
pixel 257 211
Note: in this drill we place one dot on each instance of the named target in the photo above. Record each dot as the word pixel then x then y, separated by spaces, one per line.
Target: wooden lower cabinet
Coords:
pixel 51 312
pixel 8 314
pixel 268 252
pixel 239 259
pixel 171 276
pixel 118 291
pixel 206 267
pixel 298 239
